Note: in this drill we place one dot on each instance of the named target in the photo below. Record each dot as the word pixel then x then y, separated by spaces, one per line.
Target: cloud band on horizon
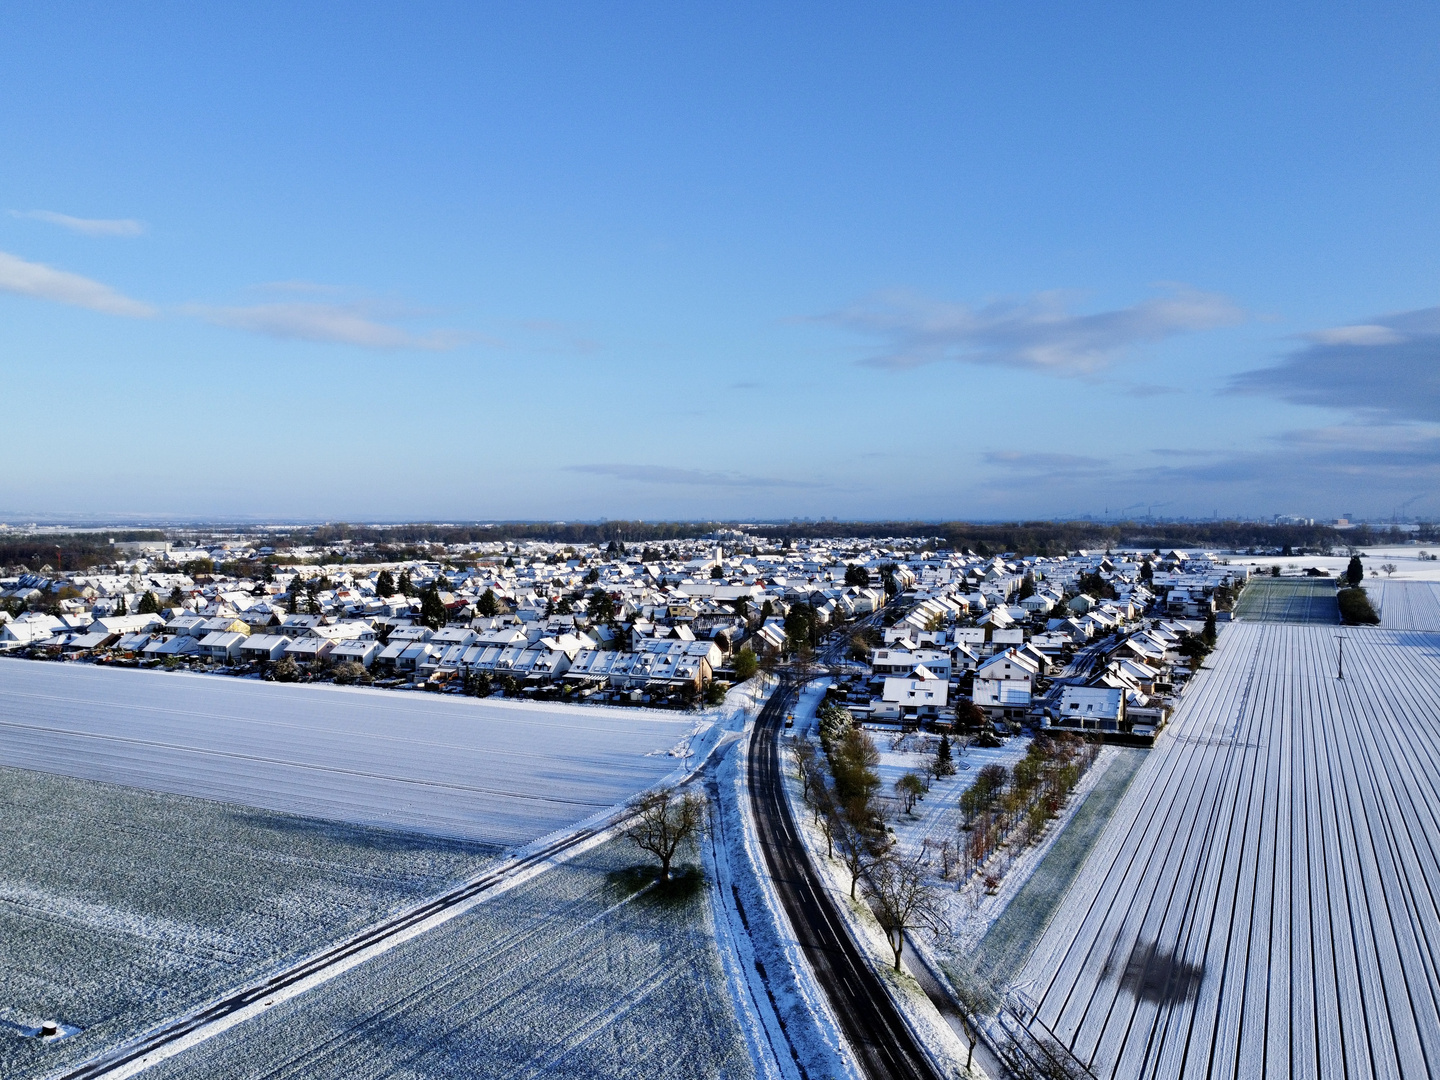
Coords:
pixel 667 474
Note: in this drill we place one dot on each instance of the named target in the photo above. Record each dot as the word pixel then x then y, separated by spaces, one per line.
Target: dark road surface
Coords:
pixel 868 1017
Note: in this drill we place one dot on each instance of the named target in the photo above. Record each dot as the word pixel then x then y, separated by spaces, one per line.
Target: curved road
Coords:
pixel 871 1023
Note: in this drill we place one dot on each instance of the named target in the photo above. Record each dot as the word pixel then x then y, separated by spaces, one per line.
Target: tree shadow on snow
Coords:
pixel 684 885
pixel 370 837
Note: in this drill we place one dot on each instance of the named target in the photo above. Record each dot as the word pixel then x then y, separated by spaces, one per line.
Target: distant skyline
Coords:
pixel 943 262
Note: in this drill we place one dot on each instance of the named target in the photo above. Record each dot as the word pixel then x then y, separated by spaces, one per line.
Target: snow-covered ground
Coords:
pixel 568 974
pixel 1409 565
pixel 120 908
pixel 808 1030
pixel 932 1031
pixel 1264 890
pixel 483 769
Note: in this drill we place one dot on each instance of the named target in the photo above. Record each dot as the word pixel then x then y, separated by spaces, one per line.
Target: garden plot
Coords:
pixel 569 974
pixel 492 771
pixel 1406 605
pixel 1266 899
pixel 1298 600
pixel 120 908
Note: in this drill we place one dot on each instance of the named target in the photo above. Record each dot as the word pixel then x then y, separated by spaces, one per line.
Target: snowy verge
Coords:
pixel 777 970
pixel 933 1033
pixel 765 1035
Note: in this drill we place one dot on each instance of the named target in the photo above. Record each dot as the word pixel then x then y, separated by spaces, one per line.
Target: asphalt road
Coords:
pixel 868 1017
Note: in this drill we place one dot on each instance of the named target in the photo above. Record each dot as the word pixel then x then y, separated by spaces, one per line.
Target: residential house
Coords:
pixel 222 646
pixel 1004 684
pixel 264 647
pixel 1091 708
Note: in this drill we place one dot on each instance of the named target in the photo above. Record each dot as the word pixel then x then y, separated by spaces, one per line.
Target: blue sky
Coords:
pixel 672 261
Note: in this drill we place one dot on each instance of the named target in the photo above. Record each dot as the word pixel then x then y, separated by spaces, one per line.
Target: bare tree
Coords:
pixel 664 820
pixel 901 899
pixel 910 788
pixel 1389 568
pixel 946 850
pixel 807 768
pixel 857 847
pixel 977 1000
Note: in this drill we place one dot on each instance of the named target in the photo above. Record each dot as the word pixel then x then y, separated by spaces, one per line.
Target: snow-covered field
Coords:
pixel 120 908
pixel 1406 605
pixel 1409 565
pixel 566 975
pixel 1264 901
pixel 487 770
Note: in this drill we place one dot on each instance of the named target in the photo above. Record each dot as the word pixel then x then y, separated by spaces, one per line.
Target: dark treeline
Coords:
pixel 559 532
pixel 1021 537
pixel 79 551
pixel 1059 537
pixel 67 551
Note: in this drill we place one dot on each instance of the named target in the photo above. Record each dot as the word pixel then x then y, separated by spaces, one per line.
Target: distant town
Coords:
pixel 1096 641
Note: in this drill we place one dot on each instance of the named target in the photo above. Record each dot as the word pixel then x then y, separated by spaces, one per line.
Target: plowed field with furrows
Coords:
pixel 1266 900
pixel 1301 600
pixel 1406 605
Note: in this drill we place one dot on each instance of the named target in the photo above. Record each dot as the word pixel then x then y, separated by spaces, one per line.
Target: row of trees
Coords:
pixel 845 802
pixel 1012 806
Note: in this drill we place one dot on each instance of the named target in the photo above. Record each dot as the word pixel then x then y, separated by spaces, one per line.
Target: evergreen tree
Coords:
pixel 857 577
pixel 1209 633
pixel 1027 587
pixel 120 607
pixel 1355 572
pixel 745 664
pixel 385 584
pixel 432 610
pixel 177 598
pixel 296 585
pixel 487 605
pixel 406 586
pixel 944 758
pixel 149 605
pixel 602 608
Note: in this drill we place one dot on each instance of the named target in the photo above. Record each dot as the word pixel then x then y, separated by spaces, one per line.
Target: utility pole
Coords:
pixel 1340 669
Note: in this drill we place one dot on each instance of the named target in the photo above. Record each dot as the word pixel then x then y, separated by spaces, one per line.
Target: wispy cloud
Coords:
pixel 667 474
pixel 1387 369
pixel 343 324
pixel 43 282
pixel 85 226
pixel 294 287
pixel 1150 390
pixel 1039 333
pixel 1042 463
